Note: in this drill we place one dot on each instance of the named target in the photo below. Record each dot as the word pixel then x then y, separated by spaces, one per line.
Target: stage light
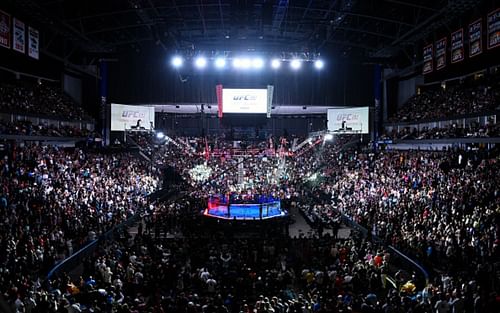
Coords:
pixel 275 63
pixel 236 63
pixel 200 62
pixel 328 137
pixel 295 64
pixel 177 61
pixel 160 135
pixel 220 63
pixel 257 63
pixel 319 64
pixel 246 63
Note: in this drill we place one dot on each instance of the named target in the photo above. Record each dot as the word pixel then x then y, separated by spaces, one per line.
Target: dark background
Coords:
pixel 148 77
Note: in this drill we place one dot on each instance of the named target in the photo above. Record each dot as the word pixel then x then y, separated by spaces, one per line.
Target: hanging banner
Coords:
pixel 4 29
pixel 441 53
pixel 457 46
pixel 218 90
pixel 33 43
pixel 19 43
pixel 428 52
pixel 270 91
pixel 475 39
pixel 494 29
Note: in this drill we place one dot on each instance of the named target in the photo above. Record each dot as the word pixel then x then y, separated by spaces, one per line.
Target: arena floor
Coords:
pixel 244 212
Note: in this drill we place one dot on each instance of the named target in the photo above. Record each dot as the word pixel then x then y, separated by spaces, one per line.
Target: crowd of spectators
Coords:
pixel 439 207
pixel 451 131
pixel 27 128
pixel 460 99
pixel 40 100
pixel 54 200
pixel 442 208
pixel 213 273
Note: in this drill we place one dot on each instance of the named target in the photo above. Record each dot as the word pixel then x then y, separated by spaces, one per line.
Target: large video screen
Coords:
pixel 349 120
pixel 244 100
pixel 137 117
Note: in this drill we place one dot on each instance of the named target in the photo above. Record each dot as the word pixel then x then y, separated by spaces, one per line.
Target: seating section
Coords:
pixel 439 208
pixel 39 100
pixel 452 131
pixel 27 128
pixel 459 98
pixel 55 200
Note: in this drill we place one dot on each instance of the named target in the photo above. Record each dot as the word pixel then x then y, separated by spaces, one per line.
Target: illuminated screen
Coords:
pixel 348 120
pixel 132 117
pixel 244 100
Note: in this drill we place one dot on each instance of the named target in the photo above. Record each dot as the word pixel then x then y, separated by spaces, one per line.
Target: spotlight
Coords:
pixel 220 63
pixel 160 135
pixel 295 64
pixel 177 61
pixel 275 63
pixel 328 137
pixel 246 63
pixel 257 63
pixel 236 63
pixel 200 62
pixel 319 64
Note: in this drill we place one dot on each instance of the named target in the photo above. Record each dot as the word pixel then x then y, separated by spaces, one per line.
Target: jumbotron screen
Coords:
pixel 244 100
pixel 349 120
pixel 132 117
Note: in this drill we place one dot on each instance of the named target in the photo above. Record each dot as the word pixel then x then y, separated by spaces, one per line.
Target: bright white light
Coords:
pixel 319 64
pixel 200 62
pixel 275 63
pixel 246 63
pixel 236 63
pixel 257 63
pixel 220 63
pixel 160 135
pixel 177 61
pixel 328 137
pixel 295 64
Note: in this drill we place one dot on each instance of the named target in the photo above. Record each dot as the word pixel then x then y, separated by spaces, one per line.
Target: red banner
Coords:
pixel 218 90
pixel 4 29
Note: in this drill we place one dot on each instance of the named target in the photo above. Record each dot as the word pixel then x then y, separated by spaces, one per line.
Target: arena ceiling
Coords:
pixel 367 28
